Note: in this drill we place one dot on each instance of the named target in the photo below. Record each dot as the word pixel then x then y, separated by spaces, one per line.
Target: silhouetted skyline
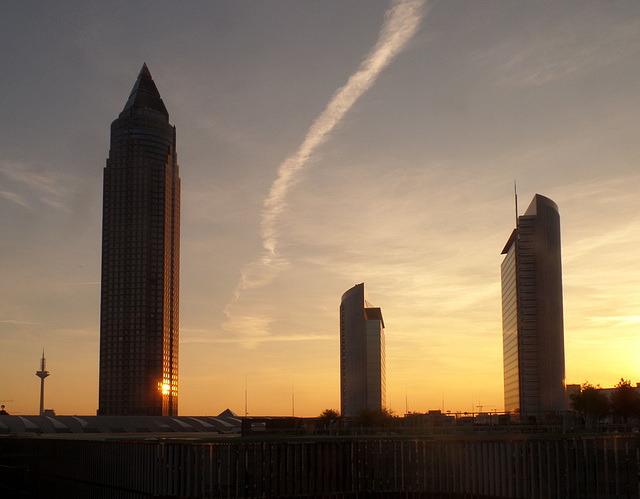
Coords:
pixel 410 191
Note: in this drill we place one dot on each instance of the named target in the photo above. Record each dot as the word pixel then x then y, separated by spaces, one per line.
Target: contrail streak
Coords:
pixel 402 20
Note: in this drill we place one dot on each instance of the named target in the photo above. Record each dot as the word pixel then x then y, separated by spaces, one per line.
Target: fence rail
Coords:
pixel 535 467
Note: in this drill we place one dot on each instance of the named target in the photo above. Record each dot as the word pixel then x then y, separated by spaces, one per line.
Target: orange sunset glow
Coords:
pixel 321 146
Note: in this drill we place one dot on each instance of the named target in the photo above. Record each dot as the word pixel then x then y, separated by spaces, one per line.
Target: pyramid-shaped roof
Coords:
pixel 227 413
pixel 145 95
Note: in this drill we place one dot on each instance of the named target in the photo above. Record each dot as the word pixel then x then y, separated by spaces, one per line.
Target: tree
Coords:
pixel 375 418
pixel 329 414
pixel 591 403
pixel 625 400
pixel 329 418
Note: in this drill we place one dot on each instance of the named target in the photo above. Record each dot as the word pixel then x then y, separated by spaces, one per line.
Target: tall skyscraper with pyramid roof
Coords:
pixel 139 328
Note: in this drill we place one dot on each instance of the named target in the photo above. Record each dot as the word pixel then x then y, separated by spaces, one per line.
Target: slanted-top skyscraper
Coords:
pixel 362 354
pixel 532 313
pixel 140 260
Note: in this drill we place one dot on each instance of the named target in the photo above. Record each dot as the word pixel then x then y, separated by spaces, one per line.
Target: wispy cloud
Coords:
pixel 15 321
pixel 28 183
pixel 624 320
pixel 87 283
pixel 402 20
pixel 586 42
pixel 256 341
pixel 14 197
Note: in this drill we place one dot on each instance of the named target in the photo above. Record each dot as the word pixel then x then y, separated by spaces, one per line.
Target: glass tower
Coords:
pixel 532 313
pixel 140 260
pixel 362 354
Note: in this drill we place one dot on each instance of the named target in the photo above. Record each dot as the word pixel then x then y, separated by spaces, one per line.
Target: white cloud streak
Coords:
pixel 45 187
pixel 402 21
pixel 14 198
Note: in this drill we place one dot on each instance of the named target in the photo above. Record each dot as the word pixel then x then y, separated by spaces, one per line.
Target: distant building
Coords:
pixel 140 260
pixel 362 354
pixel 532 313
pixel 575 389
pixel 571 391
pixel 610 391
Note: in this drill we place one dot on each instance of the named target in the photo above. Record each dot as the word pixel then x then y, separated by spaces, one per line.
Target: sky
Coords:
pixel 321 145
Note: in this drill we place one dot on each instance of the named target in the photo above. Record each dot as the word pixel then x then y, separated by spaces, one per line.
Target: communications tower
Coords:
pixel 42 374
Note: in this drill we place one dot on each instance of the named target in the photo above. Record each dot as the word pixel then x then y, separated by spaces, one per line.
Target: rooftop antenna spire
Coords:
pixel 246 413
pixel 293 401
pixel 42 374
pixel 515 195
pixel 406 398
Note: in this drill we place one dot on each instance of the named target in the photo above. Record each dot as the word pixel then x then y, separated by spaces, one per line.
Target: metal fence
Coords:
pixel 534 467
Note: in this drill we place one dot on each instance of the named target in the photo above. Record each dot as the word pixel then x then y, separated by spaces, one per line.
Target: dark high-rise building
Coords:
pixel 140 260
pixel 362 354
pixel 532 314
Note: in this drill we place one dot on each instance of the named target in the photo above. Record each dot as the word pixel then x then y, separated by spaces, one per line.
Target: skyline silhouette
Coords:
pixel 411 192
